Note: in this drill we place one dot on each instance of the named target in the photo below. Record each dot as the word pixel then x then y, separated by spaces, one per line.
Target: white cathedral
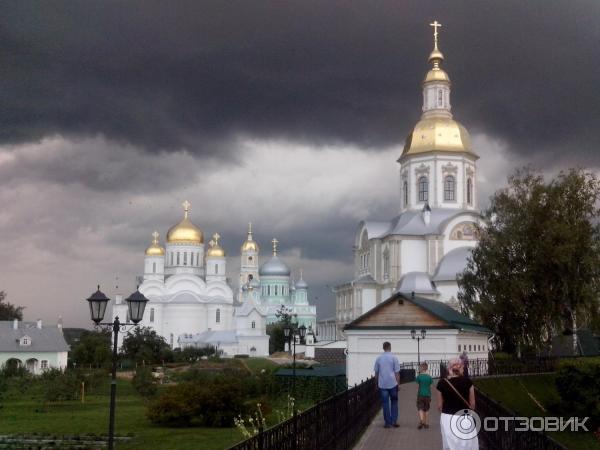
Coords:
pixel 191 303
pixel 422 249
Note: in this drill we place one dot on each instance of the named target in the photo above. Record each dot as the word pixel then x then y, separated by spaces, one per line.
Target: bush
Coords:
pixel 189 404
pixel 579 390
pixel 144 382
pixel 58 385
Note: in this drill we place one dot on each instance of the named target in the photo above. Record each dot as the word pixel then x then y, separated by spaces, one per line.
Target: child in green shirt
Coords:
pixel 424 381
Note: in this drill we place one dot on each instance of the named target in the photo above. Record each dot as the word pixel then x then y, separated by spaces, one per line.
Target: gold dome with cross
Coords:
pixel 214 248
pixel 250 245
pixel 185 232
pixel 155 249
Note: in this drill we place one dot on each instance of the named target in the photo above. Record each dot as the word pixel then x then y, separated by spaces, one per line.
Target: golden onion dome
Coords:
pixel 185 232
pixel 438 134
pixel 436 74
pixel 155 248
pixel 250 245
pixel 214 249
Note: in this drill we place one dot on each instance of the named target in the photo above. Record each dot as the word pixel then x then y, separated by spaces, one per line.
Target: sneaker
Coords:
pixel 420 426
pixel 396 425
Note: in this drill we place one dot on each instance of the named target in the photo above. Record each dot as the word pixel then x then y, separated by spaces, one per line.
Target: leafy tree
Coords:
pixel 275 330
pixel 93 348
pixel 144 382
pixel 536 270
pixel 144 345
pixel 8 311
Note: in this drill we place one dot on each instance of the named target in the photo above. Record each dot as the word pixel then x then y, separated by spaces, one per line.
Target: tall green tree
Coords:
pixel 144 345
pixel 93 348
pixel 536 270
pixel 8 311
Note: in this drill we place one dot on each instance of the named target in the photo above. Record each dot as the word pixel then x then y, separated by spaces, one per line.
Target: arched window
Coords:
pixel 423 189
pixel 440 98
pixel 469 191
pixel 153 267
pixel 268 290
pixel 218 316
pixel 177 258
pixel 216 269
pixel 275 290
pixel 171 258
pixel 151 314
pixel 449 188
pixel 405 190
pixel 253 324
pixel 185 258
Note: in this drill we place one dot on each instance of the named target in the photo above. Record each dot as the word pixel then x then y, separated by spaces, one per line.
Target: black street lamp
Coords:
pixel 136 304
pixel 291 332
pixel 413 334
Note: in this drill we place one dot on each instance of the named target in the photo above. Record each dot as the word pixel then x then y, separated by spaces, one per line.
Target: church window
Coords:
pixel 44 364
pixel 249 258
pixel 218 316
pixel 171 258
pixel 440 98
pixel 459 347
pixel 153 267
pixel 405 191
pixel 151 315
pixel 449 188
pixel 185 258
pixel 216 269
pixel 253 324
pixel 275 290
pixel 171 340
pixel 386 264
pixel 191 258
pixel 177 258
pixel 469 191
pixel 423 189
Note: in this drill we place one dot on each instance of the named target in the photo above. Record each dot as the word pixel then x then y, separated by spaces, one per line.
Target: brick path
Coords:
pixel 407 436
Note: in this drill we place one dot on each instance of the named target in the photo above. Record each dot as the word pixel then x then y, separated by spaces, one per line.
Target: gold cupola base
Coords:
pixel 185 232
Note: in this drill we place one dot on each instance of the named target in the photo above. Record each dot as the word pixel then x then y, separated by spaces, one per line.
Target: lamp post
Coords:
pixel 413 334
pixel 136 304
pixel 291 332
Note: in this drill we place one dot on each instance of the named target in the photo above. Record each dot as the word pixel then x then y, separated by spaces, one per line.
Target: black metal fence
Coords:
pixel 334 424
pixel 506 437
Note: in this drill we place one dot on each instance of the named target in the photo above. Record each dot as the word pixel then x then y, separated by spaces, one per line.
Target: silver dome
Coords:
pixel 417 282
pixel 274 267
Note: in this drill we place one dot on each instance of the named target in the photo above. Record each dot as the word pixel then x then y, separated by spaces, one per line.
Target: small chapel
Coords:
pixel 192 304
pixel 422 249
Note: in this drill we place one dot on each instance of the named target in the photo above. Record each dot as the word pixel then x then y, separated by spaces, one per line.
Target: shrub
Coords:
pixel 144 382
pixel 579 390
pixel 58 385
pixel 189 404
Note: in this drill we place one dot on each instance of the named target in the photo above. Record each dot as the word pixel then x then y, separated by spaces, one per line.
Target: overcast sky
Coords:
pixel 287 114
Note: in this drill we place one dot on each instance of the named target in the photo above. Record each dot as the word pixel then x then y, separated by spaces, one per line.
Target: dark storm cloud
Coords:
pixel 172 75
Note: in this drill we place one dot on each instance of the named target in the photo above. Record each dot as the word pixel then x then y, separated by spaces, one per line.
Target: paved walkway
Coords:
pixel 408 436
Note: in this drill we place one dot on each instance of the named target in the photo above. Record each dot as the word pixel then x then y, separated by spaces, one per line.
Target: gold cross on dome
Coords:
pixel 216 237
pixel 211 243
pixel 300 273
pixel 186 206
pixel 435 26
pixel 155 236
pixel 275 242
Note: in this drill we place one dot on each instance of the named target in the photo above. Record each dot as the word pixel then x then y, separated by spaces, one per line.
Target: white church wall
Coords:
pixel 369 298
pixel 447 290
pixel 413 255
pixel 184 282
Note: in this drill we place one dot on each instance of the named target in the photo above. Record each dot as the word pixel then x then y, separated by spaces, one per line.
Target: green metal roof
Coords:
pixel 439 309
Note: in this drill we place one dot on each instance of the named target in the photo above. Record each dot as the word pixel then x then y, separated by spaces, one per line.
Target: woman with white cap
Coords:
pixel 456 402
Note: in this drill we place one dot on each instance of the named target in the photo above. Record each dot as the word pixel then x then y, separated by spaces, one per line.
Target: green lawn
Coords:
pixel 73 417
pixel 513 393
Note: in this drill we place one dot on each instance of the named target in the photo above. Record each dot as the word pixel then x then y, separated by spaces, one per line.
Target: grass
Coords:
pixel 513 393
pixel 27 414
pixel 73 417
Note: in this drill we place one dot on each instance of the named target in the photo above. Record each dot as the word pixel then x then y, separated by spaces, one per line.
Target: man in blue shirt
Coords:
pixel 387 371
